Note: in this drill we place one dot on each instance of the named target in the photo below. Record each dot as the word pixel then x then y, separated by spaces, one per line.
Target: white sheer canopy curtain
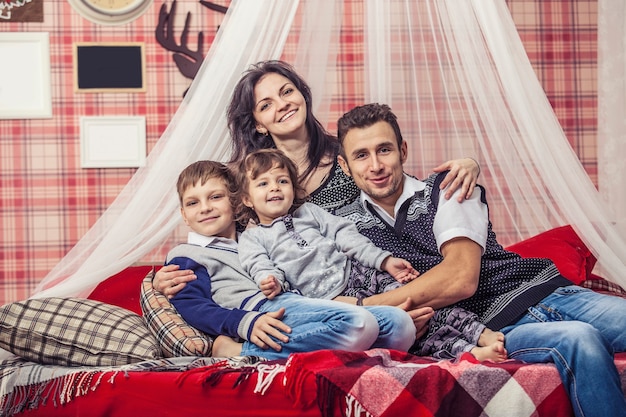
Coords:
pixel 147 210
pixel 457 76
pixel 612 108
pixel 455 73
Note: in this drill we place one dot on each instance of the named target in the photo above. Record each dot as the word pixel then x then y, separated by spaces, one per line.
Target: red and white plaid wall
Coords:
pixel 47 201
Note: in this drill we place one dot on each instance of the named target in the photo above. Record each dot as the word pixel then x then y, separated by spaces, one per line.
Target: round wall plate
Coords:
pixel 111 12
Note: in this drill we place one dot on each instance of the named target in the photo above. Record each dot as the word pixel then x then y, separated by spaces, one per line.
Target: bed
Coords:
pixel 84 378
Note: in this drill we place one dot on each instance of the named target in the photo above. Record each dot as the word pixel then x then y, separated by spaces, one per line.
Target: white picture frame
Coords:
pixel 25 91
pixel 112 141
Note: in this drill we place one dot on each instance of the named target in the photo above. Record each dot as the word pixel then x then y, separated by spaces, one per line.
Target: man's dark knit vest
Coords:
pixel 508 284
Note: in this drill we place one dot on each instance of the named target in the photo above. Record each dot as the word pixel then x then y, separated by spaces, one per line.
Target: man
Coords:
pixel 543 316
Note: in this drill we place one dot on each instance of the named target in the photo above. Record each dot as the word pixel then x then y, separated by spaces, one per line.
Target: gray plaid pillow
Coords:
pixel 75 331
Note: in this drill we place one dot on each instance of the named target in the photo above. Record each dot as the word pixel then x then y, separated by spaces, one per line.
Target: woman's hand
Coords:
pixel 420 316
pixel 169 280
pixel 268 327
pixel 464 173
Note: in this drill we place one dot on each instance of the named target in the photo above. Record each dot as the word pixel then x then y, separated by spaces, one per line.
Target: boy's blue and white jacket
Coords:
pixel 223 300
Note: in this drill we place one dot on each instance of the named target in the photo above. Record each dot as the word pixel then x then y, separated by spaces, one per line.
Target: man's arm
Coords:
pixel 453 280
pixel 461 233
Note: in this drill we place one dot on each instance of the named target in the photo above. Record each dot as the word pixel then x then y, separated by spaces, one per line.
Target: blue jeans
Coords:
pixel 324 324
pixel 396 329
pixel 578 330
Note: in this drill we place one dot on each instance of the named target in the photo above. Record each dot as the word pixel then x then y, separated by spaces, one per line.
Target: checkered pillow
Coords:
pixel 75 331
pixel 176 337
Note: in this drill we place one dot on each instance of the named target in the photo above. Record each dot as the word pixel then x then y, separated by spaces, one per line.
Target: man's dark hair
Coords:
pixel 364 116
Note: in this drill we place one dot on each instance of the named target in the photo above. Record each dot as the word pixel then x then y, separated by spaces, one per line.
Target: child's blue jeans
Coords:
pixel 324 324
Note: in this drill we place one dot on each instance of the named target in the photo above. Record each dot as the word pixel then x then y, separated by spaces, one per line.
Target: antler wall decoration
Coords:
pixel 187 60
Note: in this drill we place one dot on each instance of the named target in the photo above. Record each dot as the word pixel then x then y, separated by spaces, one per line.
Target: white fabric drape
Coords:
pixel 455 73
pixel 612 108
pixel 469 69
pixel 147 210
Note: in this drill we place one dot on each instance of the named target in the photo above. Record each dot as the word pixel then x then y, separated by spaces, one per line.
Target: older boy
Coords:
pixel 225 301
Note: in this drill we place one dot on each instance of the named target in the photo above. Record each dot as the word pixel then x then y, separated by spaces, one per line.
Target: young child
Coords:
pixel 297 246
pixel 300 246
pixel 224 301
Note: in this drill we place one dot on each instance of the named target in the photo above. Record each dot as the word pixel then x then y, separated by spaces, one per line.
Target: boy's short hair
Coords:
pixel 202 171
pixel 255 164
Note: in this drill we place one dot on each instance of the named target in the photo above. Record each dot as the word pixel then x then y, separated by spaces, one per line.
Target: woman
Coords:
pixel 271 108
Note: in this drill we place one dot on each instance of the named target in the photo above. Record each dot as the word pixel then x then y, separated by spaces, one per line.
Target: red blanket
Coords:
pixel 383 383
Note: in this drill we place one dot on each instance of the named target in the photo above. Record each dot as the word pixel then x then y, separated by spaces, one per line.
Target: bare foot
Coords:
pixel 489 337
pixel 495 352
pixel 225 347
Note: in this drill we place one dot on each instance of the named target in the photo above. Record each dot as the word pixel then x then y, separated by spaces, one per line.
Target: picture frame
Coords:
pixel 25 91
pixel 112 141
pixel 109 67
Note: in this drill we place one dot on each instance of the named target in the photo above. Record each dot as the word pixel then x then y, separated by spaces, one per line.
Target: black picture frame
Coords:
pixel 109 67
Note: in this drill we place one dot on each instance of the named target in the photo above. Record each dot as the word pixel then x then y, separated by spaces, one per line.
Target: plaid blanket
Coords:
pixel 383 383
pixel 373 383
pixel 27 385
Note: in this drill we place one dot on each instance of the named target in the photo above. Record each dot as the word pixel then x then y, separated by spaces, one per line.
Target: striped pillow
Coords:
pixel 74 332
pixel 176 337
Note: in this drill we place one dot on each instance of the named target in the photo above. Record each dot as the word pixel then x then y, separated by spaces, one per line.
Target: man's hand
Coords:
pixel 400 269
pixel 169 280
pixel 268 327
pixel 270 287
pixel 421 316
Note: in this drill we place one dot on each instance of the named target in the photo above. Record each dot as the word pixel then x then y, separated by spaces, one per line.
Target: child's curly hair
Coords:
pixel 255 164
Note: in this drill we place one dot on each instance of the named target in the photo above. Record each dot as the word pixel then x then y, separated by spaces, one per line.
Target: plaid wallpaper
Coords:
pixel 47 201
